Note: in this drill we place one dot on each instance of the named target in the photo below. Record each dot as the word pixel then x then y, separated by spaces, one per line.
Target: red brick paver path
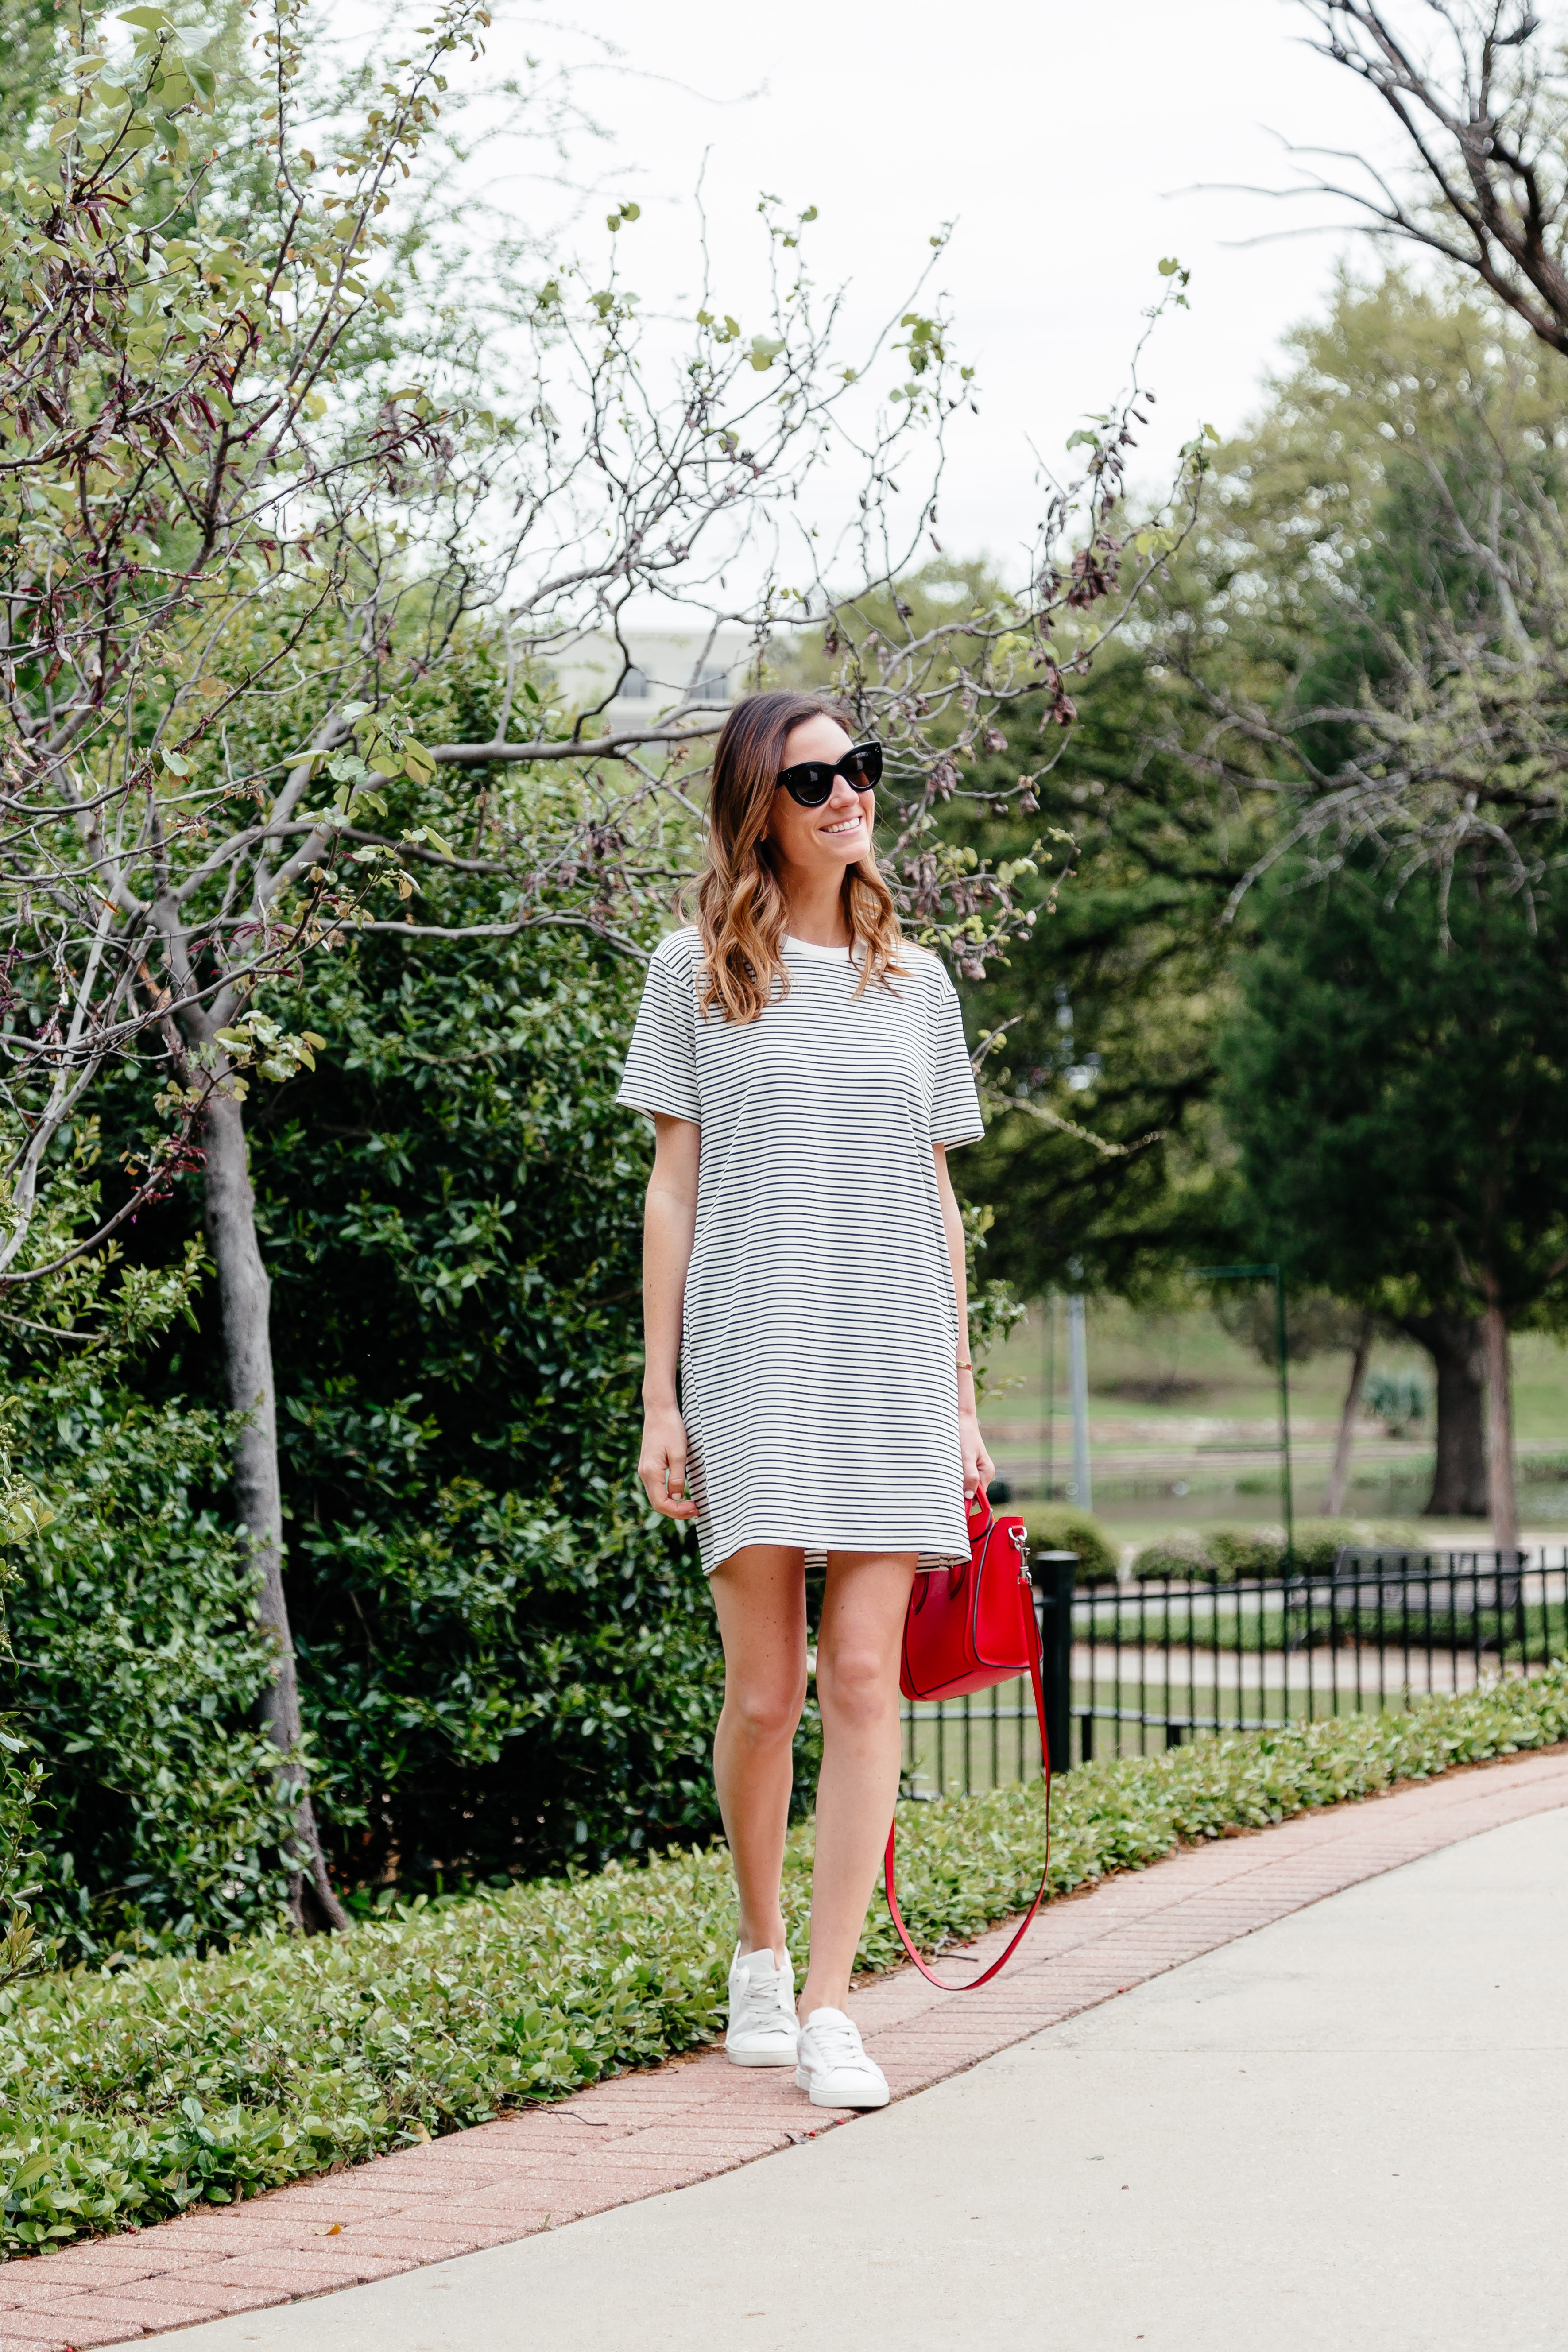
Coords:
pixel 685 2121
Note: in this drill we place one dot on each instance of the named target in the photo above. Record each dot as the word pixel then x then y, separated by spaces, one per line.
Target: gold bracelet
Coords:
pixel 966 1366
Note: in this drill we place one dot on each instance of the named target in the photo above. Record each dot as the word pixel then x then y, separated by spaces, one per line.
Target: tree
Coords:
pixel 1286 655
pixel 1454 725
pixel 1484 117
pixel 1350 641
pixel 1381 645
pixel 1454 1338
pixel 244 551
pixel 1101 1141
pixel 1401 1107
pixel 1316 1322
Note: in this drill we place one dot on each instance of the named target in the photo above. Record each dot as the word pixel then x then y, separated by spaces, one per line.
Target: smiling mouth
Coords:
pixel 846 825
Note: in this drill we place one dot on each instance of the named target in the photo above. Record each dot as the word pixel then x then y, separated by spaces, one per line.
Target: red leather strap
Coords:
pixel 971 1983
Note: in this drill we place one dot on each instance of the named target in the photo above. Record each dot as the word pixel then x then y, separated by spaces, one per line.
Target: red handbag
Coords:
pixel 965 1630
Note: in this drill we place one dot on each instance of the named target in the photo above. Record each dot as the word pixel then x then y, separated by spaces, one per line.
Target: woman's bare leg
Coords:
pixel 858 1684
pixel 760 1594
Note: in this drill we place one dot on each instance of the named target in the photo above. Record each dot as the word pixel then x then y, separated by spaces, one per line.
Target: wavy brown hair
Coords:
pixel 741 910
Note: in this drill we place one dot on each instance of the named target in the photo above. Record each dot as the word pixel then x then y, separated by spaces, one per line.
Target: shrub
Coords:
pixel 1183 1556
pixel 1246 1551
pixel 493 1680
pixel 1228 1555
pixel 1396 1399
pixel 20 1779
pixel 133 1674
pixel 507 1665
pixel 1057 1527
pixel 128 2096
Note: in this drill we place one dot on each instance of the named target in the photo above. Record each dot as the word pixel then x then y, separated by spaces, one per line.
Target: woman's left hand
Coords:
pixel 978 1467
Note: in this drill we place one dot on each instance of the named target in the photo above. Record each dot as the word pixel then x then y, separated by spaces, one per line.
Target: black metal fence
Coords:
pixel 1132 1668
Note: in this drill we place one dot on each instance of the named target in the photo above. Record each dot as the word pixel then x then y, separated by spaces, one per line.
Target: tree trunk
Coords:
pixel 1500 1433
pixel 1454 1344
pixel 1338 1476
pixel 246 1295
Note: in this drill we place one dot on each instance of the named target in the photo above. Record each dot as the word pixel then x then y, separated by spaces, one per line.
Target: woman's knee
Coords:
pixel 764 1714
pixel 859 1685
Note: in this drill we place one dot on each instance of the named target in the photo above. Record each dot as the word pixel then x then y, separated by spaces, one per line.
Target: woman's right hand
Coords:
pixel 661 1466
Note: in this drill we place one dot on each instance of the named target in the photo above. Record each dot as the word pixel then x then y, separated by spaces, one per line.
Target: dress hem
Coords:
pixel 928 1558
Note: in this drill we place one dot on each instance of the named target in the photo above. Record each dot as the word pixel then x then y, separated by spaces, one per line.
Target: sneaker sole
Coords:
pixel 804 2080
pixel 759 2057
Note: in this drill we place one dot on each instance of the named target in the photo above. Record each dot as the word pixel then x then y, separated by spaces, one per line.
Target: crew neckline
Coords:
pixel 810 948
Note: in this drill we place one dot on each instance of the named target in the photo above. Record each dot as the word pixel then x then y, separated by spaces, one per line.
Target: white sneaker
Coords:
pixel 834 2066
pixel 764 2027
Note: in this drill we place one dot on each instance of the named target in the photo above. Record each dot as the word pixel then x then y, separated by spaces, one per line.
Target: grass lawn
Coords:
pixel 1158 1384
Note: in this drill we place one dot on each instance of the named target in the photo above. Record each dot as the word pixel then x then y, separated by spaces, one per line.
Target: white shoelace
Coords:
pixel 836 2042
pixel 763 2005
pixel 758 2013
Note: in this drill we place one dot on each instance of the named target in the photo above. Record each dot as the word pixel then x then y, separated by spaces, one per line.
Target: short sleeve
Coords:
pixel 661 1060
pixel 955 1106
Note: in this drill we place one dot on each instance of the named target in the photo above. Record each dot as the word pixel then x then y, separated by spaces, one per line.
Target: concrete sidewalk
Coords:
pixel 1352 2125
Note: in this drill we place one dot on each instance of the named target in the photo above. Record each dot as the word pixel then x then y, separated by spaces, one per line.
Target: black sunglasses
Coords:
pixel 812 783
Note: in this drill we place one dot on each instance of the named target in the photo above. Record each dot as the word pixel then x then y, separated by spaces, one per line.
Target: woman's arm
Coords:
pixel 670 1222
pixel 978 1467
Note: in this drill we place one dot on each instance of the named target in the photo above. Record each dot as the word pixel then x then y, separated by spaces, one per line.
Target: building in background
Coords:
pixel 669 667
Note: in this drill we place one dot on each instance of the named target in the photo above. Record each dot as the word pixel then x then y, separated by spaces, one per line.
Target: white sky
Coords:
pixel 1056 135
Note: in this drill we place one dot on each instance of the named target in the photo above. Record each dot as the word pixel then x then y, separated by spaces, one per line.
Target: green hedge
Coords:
pixel 129 2095
pixel 1228 1555
pixel 130 1670
pixel 1060 1528
pixel 508 1665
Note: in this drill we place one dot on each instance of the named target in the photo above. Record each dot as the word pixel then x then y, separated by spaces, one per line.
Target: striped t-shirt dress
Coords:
pixel 818 1379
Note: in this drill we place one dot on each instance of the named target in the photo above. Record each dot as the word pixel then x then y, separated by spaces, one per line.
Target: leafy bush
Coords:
pixel 555 1682
pixel 1228 1555
pixel 128 2096
pixel 1183 1556
pixel 1398 1399
pixel 21 1777
pixel 132 1677
pixel 1057 1527
pixel 507 1665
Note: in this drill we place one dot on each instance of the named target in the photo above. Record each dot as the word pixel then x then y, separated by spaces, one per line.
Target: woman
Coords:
pixel 806 1071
